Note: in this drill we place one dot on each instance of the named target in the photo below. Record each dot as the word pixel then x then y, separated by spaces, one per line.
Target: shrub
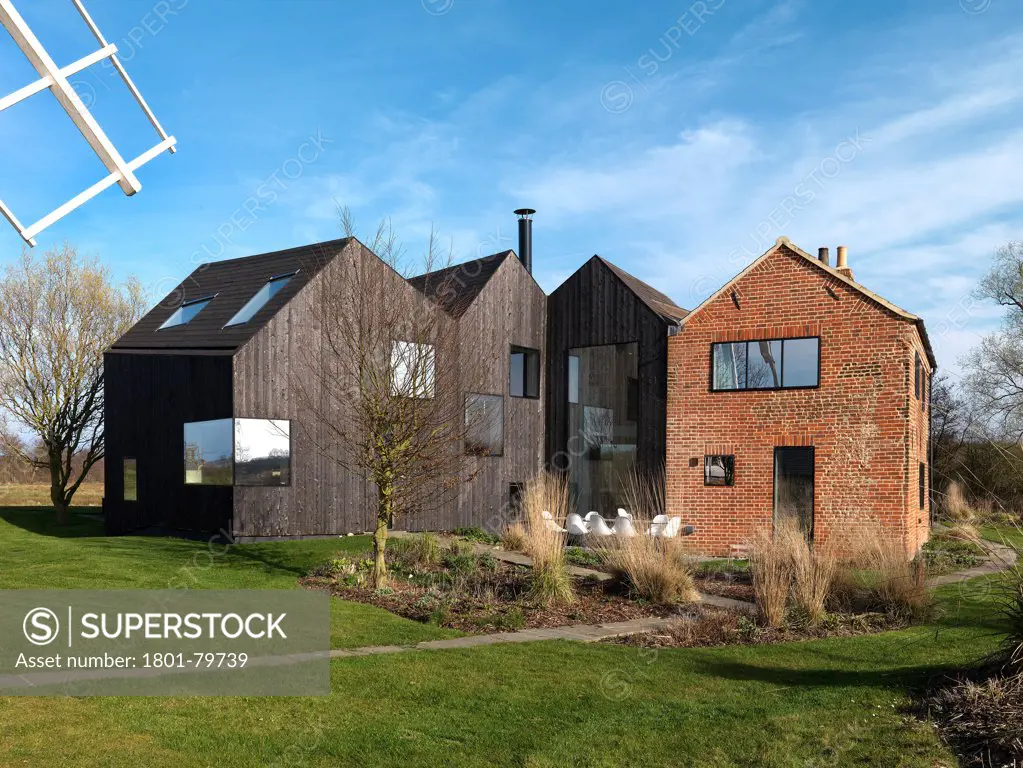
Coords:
pixel 813 572
pixel 551 583
pixel 656 569
pixel 514 538
pixel 475 533
pixel 983 720
pixel 460 559
pixel 945 553
pixel 770 565
pixel 582 557
pixel 411 552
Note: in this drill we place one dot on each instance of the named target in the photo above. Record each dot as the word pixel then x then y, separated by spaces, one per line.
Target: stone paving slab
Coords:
pixel 1000 558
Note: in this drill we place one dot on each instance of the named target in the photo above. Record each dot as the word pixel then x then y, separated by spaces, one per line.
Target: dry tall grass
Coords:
pixel 514 537
pixel 770 565
pixel 546 546
pixel 813 574
pixel 656 569
pixel 882 575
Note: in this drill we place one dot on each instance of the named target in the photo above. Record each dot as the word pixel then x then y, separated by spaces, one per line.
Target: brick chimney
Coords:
pixel 843 262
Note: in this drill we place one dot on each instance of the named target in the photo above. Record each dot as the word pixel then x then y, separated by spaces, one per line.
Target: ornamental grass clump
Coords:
pixel 813 574
pixel 544 541
pixel 770 565
pixel 655 569
pixel 514 538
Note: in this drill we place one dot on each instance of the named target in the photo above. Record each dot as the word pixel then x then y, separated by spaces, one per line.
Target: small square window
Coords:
pixel 524 372
pixel 131 489
pixel 719 470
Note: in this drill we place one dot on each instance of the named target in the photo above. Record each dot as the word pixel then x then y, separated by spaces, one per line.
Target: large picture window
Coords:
pixel 765 364
pixel 412 369
pixel 524 371
pixel 238 452
pixel 484 425
pixel 209 449
pixel 262 452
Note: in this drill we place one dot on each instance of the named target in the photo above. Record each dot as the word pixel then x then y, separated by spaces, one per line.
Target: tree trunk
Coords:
pixel 380 538
pixel 57 490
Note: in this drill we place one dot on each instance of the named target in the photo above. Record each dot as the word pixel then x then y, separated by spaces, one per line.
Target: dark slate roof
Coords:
pixel 659 302
pixel 233 282
pixel 456 287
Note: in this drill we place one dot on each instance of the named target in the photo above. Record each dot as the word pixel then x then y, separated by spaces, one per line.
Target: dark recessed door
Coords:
pixel 793 487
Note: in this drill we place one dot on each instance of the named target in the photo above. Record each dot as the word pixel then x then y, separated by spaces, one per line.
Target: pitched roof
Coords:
pixel 456 287
pixel 659 302
pixel 784 242
pixel 232 283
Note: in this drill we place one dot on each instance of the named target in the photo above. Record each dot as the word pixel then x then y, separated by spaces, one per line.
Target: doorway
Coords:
pixel 793 487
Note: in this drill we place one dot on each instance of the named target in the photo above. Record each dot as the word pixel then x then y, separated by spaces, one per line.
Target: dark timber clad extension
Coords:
pixel 603 305
pixel 205 369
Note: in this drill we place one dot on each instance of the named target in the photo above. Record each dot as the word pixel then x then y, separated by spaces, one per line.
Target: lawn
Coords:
pixel 824 703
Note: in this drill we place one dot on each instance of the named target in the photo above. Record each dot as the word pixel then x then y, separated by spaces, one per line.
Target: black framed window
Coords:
pixel 923 486
pixel 916 377
pixel 484 425
pixel 524 371
pixel 765 364
pixel 515 491
pixel 719 470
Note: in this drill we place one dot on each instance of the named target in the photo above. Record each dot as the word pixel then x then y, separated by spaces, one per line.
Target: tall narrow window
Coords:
pixel 412 369
pixel 270 289
pixel 184 314
pixel 573 379
pixel 131 489
pixel 916 378
pixel 923 486
pixel 524 372
pixel 484 425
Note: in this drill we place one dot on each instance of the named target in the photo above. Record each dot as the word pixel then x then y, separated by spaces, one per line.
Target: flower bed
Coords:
pixel 710 626
pixel 458 589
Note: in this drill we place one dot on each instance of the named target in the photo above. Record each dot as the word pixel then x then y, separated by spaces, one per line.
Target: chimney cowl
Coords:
pixel 823 255
pixel 526 237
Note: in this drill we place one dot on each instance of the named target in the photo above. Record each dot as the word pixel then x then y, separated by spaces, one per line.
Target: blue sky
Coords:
pixel 678 139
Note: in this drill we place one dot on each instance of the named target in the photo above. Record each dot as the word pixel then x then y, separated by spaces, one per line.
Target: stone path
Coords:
pixel 584 633
pixel 1001 558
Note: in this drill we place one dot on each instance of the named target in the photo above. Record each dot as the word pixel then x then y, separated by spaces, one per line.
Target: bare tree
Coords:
pixel 383 384
pixel 995 367
pixel 58 313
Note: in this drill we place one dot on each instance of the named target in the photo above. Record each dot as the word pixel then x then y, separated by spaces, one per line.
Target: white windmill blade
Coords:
pixel 55 79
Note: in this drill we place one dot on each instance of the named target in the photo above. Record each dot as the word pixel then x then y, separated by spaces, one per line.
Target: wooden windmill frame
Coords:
pixel 55 79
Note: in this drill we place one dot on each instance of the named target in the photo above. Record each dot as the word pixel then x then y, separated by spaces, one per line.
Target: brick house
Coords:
pixel 795 391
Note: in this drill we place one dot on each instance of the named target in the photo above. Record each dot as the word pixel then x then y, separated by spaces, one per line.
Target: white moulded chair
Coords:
pixel 658 524
pixel 551 523
pixel 624 527
pixel 576 525
pixel 672 528
pixel 598 527
pixel 623 513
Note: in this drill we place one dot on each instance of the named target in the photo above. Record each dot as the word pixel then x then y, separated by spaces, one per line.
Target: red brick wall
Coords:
pixel 867 428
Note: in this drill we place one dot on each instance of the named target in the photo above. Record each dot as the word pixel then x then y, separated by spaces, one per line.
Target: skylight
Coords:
pixel 186 312
pixel 273 286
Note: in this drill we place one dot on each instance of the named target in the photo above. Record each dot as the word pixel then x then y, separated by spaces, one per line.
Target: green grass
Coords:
pixel 1003 534
pixel 835 702
pixel 36 554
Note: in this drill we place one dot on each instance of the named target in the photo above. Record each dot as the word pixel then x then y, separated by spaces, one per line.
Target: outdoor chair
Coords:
pixel 658 524
pixel 576 525
pixel 551 523
pixel 598 527
pixel 624 527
